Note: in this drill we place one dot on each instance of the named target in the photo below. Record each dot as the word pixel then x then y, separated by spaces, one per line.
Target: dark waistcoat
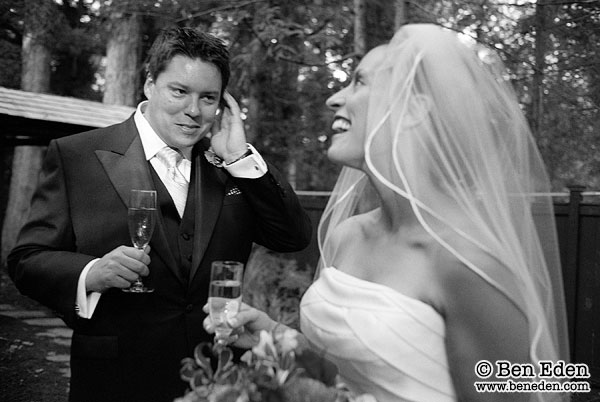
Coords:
pixel 179 231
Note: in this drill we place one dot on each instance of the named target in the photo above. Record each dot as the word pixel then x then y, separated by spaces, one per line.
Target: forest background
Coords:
pixel 288 56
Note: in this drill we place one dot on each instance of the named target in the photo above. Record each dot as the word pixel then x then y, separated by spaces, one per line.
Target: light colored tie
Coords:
pixel 175 182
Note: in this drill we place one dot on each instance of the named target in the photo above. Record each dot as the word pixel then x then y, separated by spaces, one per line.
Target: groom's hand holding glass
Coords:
pixel 118 269
pixel 124 266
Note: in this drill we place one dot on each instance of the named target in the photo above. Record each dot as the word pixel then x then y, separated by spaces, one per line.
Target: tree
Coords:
pixel 41 20
pixel 400 13
pixel 551 51
pixel 360 27
pixel 278 49
pixel 11 37
pixel 289 56
pixel 537 91
pixel 123 56
pixel 78 52
pixel 571 114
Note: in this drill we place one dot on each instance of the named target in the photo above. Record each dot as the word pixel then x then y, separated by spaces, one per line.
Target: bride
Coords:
pixel 437 250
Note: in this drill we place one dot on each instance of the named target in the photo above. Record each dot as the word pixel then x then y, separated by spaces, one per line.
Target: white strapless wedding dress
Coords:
pixel 384 343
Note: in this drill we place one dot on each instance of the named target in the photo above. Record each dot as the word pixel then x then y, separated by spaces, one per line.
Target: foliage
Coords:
pixel 271 371
pixel 568 132
pixel 274 284
pixel 10 64
pixel 571 119
pixel 289 56
pixel 282 52
pixel 10 44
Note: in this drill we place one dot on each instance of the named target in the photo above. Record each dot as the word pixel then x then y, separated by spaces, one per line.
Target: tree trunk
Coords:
pixel 400 14
pixel 35 56
pixel 254 89
pixel 123 60
pixel 537 90
pixel 27 160
pixel 360 27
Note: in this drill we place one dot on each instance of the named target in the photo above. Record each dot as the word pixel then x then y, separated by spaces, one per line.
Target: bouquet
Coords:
pixel 276 370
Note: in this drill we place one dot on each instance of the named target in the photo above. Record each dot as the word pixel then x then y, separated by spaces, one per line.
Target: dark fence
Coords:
pixel 578 227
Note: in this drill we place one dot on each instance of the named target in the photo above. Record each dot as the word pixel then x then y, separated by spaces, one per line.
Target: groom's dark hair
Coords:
pixel 188 42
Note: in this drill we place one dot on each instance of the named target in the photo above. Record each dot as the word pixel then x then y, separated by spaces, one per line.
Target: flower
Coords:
pixel 288 340
pixel 274 370
pixel 266 346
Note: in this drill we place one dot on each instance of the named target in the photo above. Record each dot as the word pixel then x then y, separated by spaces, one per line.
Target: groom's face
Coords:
pixel 183 101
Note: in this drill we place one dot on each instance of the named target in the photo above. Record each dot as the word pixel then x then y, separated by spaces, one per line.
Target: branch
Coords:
pixel 560 88
pixel 305 63
pixel 319 28
pixel 220 8
pixel 296 61
pixel 551 3
pixel 162 15
pixel 567 21
pixel 560 3
pixel 419 6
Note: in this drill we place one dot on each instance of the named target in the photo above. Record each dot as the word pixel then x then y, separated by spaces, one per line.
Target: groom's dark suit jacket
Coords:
pixel 130 350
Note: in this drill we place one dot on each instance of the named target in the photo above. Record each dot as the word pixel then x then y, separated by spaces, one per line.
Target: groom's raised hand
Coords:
pixel 228 138
pixel 118 269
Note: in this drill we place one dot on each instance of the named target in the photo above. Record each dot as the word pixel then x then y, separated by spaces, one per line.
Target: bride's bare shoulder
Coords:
pixel 351 228
pixel 456 269
pixel 463 261
pixel 465 280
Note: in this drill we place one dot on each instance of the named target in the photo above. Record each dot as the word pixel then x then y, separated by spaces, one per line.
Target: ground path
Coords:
pixel 34 350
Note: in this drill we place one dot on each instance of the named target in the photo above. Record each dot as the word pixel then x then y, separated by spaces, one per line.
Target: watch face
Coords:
pixel 213 159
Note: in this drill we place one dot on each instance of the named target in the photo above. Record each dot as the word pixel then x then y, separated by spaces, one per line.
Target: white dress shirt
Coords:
pixel 250 167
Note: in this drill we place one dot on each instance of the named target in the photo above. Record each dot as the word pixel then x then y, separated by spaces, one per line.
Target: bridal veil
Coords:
pixel 445 131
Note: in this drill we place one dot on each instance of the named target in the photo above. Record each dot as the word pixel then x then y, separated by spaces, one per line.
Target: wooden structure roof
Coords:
pixel 36 118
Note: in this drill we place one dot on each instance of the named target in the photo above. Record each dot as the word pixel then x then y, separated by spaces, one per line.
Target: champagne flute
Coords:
pixel 141 218
pixel 224 296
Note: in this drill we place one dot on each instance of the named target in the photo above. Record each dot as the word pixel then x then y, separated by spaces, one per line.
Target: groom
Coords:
pixel 215 198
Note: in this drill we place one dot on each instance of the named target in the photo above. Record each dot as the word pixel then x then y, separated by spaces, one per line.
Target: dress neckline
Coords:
pixel 378 286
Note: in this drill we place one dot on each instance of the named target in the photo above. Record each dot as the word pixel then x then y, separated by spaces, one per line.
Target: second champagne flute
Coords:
pixel 224 296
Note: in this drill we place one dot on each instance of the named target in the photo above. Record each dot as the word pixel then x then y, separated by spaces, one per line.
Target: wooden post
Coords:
pixel 571 267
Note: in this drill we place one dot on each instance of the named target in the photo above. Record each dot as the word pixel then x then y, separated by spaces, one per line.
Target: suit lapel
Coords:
pixel 210 190
pixel 127 168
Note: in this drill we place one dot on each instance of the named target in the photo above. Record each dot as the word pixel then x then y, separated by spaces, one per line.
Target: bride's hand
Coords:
pixel 246 326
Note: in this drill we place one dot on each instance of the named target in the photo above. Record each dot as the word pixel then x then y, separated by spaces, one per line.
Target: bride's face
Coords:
pixel 350 106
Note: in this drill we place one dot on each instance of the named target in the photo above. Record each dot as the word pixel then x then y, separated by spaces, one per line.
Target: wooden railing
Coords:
pixel 578 226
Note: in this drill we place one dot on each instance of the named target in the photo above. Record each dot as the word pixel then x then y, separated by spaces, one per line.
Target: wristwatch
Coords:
pixel 217 161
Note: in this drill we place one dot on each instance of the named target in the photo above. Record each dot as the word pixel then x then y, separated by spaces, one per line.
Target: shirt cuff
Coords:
pixel 86 303
pixel 251 167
